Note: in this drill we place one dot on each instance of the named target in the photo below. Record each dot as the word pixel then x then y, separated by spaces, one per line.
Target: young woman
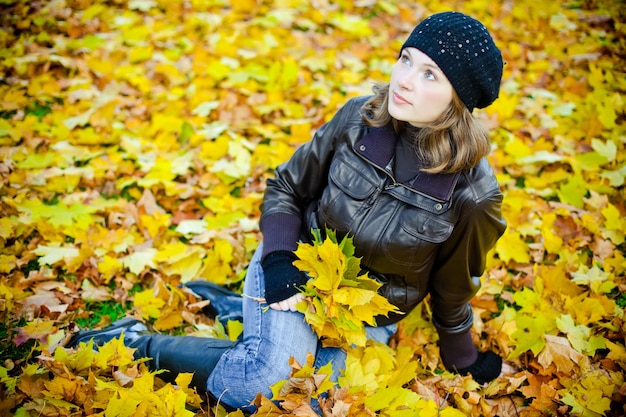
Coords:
pixel 404 173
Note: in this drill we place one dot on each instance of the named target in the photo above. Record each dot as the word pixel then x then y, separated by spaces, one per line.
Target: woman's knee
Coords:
pixel 237 381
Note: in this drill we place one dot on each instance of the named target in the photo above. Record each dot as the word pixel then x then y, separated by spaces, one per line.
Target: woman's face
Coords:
pixel 419 92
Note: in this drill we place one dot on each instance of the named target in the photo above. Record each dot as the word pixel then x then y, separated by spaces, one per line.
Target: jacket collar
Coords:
pixel 377 146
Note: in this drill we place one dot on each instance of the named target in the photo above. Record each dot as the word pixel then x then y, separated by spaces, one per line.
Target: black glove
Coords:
pixel 282 279
pixel 486 368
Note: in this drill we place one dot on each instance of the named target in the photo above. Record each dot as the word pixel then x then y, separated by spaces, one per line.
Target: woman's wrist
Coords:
pixel 282 278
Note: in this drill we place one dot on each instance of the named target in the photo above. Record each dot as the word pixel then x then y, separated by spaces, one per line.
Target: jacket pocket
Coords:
pixel 413 239
pixel 348 192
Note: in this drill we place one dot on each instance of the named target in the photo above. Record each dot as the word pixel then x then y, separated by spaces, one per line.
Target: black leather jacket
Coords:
pixel 428 237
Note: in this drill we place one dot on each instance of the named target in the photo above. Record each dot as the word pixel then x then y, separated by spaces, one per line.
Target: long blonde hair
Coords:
pixel 456 141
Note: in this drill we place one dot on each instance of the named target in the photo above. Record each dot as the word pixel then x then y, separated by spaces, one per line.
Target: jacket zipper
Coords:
pixel 396 183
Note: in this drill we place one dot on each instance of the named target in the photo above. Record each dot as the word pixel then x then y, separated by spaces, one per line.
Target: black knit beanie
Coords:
pixel 464 50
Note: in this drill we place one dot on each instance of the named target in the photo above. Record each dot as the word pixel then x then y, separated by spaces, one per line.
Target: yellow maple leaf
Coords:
pixel 588 308
pixel 139 260
pixel 354 25
pixel 608 150
pixel 131 73
pixel 171 401
pixel 579 336
pixel 517 148
pixel 114 353
pixel 50 255
pixel 78 360
pixel 607 113
pixel 617 352
pixel 546 178
pixel 216 264
pixel 169 319
pixel 108 267
pixel 171 252
pixel 598 280
pixel 324 263
pixel 212 150
pixel 144 383
pixel 559 352
pixel 187 268
pixel 155 223
pixel 512 247
pixel 369 367
pixel 556 279
pixel 7 263
pixel 9 295
pixel 121 404
pixel 147 304
pixel 406 366
pixel 140 54
pixel 237 163
pixel 589 395
pixel 551 241
pixel 614 224
pixel 38 329
pixel 177 258
pixel 504 107
pixel 161 170
pixel 573 191
pixel 61 388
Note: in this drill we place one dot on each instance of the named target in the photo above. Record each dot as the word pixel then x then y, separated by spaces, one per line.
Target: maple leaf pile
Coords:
pixel 136 137
pixel 341 298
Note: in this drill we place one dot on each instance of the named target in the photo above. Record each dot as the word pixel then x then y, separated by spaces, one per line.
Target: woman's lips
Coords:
pixel 397 98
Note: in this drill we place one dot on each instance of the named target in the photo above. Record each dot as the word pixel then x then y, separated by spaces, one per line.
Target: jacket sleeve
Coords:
pixel 297 183
pixel 301 180
pixel 461 260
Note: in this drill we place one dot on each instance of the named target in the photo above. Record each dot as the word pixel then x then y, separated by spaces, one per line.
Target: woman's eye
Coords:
pixel 404 59
pixel 429 75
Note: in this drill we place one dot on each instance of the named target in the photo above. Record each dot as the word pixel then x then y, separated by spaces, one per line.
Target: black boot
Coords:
pixel 177 354
pixel 132 329
pixel 225 304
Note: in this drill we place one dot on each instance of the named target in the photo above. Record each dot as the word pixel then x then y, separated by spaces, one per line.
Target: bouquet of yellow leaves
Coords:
pixel 341 298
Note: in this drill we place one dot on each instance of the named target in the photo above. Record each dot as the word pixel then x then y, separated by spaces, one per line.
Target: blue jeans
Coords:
pixel 270 339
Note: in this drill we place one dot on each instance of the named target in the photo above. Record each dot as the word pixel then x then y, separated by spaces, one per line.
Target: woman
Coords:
pixel 404 173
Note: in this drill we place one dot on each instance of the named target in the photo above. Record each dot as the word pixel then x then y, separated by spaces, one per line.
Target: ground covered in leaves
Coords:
pixel 135 140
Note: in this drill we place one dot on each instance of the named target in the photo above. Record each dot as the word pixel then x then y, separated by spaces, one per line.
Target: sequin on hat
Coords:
pixel 464 50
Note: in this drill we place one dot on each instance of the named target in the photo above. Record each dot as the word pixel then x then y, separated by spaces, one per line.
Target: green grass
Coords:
pixel 98 310
pixel 9 352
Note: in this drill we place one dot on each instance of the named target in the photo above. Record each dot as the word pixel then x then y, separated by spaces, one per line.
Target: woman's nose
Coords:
pixel 405 81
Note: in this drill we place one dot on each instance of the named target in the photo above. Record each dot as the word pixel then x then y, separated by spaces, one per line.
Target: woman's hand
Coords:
pixel 288 304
